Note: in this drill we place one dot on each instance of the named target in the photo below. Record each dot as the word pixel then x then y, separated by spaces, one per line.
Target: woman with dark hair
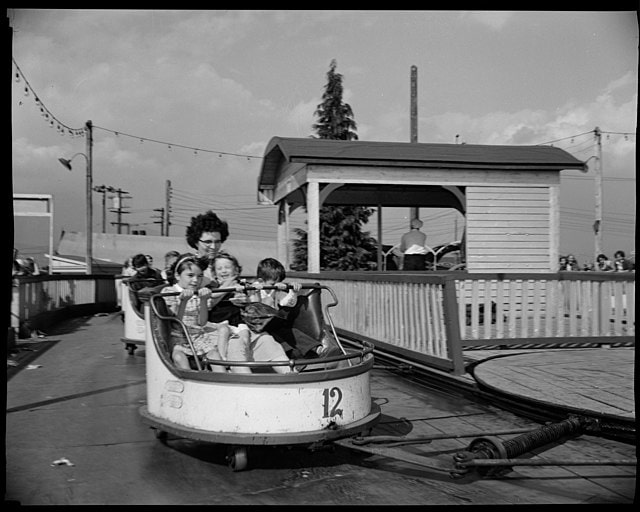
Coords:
pixel 206 234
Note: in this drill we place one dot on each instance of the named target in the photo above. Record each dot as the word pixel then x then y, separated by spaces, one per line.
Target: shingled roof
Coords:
pixel 408 154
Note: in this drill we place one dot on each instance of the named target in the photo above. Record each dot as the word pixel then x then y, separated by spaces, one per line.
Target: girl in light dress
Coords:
pixel 192 307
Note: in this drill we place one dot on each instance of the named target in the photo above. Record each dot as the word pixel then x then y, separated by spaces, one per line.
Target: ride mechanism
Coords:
pixel 490 456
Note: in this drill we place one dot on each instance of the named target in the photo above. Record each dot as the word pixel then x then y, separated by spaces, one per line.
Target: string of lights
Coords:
pixel 580 146
pixel 51 119
pixel 171 145
pixel 64 129
pixel 572 137
pixel 626 134
pixel 603 132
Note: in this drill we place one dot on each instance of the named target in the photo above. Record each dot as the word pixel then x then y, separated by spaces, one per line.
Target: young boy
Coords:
pixel 271 272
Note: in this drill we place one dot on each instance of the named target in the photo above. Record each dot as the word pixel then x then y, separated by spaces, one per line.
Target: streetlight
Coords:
pixel 89 221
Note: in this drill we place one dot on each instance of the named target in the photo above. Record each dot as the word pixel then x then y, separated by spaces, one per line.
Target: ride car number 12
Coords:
pixel 332 398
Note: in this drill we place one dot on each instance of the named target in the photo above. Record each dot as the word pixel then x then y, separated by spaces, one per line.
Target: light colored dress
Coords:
pixel 205 338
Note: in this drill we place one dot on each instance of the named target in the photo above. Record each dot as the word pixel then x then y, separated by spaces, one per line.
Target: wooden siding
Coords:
pixel 508 229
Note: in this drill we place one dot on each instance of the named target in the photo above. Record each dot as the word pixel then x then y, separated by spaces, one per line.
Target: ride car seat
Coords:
pixel 304 325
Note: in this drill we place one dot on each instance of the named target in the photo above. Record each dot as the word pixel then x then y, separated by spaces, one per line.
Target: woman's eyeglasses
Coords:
pixel 209 242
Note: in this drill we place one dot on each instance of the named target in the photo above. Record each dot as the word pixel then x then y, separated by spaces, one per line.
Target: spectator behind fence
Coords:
pixel 621 263
pixel 603 264
pixel 572 263
pixel 562 263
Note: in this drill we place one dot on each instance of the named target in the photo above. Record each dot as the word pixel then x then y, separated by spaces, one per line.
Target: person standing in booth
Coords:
pixel 412 247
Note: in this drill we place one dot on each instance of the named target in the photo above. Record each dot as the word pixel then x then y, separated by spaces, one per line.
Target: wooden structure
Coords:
pixel 432 318
pixel 36 205
pixel 508 194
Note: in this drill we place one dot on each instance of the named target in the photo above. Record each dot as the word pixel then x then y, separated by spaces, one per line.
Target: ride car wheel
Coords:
pixel 237 458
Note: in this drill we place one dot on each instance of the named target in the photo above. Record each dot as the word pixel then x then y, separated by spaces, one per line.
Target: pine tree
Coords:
pixel 343 244
pixel 335 118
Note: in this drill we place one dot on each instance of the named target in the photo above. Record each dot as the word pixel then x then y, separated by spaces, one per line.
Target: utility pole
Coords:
pixel 167 208
pixel 102 189
pixel 161 221
pixel 88 128
pixel 414 212
pixel 117 208
pixel 597 225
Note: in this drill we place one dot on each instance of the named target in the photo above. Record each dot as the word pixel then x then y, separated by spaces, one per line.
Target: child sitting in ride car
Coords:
pixel 257 346
pixel 192 307
pixel 271 272
pixel 144 275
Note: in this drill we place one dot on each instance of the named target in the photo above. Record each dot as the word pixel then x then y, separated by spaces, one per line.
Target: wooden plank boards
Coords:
pixel 598 380
pixel 499 222
pixel 414 411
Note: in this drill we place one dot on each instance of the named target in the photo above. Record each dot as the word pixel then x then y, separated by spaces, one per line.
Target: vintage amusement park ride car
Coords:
pixel 321 400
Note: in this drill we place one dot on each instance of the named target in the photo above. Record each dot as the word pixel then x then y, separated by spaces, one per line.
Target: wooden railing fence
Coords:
pixel 429 317
pixel 38 299
pixel 434 317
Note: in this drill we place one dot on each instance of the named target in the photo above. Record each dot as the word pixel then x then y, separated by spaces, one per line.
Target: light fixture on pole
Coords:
pixel 89 220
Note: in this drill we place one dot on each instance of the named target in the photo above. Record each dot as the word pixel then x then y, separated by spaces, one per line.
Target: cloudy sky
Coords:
pixel 193 97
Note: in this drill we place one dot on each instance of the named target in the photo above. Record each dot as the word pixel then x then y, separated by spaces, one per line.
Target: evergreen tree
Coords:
pixel 343 244
pixel 335 118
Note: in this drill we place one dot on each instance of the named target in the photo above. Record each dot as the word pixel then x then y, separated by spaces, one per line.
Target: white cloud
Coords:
pixel 300 118
pixel 492 19
pixel 30 156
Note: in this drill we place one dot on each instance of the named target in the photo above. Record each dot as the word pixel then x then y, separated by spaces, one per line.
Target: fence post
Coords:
pixel 452 325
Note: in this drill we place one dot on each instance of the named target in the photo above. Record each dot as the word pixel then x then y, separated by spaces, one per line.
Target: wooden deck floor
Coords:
pixel 597 380
pixel 81 401
pixel 410 411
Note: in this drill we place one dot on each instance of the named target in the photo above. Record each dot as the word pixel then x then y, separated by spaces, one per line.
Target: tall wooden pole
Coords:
pixel 89 252
pixel 597 225
pixel 167 208
pixel 413 212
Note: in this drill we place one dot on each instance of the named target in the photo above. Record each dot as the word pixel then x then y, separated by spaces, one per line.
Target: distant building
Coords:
pixel 111 250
